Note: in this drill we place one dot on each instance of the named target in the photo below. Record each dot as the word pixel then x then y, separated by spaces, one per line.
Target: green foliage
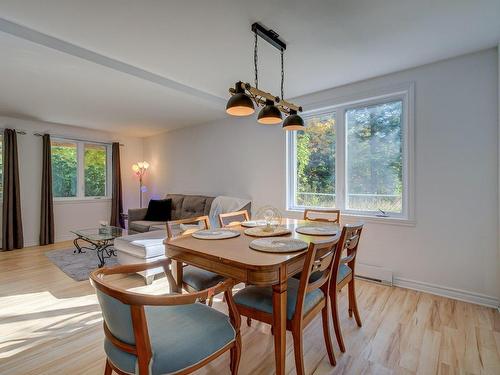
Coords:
pixel 316 162
pixel 95 171
pixel 64 170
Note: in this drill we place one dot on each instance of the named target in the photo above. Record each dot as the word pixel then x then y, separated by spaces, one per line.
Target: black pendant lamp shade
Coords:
pixel 270 114
pixel 240 103
pixel 293 122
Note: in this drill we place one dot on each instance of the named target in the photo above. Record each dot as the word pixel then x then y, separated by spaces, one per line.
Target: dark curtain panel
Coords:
pixel 12 225
pixel 116 198
pixel 47 207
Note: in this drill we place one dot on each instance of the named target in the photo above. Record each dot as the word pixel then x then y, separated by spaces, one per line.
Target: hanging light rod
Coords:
pixel 270 36
pixel 244 95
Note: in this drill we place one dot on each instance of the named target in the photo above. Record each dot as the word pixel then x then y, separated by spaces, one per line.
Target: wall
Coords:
pixel 68 215
pixel 452 248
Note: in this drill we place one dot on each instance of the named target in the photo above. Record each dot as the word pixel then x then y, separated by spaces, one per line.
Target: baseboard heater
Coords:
pixel 375 274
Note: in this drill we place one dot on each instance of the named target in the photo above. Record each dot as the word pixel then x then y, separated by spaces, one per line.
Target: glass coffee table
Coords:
pixel 99 240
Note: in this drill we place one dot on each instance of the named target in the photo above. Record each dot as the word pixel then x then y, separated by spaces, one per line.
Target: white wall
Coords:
pixel 452 249
pixel 67 215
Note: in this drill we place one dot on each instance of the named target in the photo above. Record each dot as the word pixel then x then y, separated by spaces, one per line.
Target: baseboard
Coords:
pixel 458 294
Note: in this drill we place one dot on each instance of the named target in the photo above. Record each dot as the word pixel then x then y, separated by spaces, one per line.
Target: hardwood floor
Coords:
pixel 50 324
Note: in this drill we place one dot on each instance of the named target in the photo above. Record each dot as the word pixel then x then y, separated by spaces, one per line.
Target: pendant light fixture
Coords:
pixel 243 95
pixel 240 103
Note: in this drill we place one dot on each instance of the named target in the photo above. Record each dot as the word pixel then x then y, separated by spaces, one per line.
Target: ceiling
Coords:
pixel 142 67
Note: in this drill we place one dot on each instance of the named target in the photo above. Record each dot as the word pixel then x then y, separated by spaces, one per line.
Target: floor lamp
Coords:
pixel 140 169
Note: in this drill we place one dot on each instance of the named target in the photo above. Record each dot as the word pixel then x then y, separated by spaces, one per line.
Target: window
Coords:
pixel 355 157
pixel 95 170
pixel 80 169
pixel 64 169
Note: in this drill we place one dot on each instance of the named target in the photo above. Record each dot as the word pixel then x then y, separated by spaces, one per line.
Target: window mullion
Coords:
pixel 340 160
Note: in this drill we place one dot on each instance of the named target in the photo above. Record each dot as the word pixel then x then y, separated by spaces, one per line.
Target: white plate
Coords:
pixel 318 230
pixel 278 245
pixel 215 234
pixel 253 223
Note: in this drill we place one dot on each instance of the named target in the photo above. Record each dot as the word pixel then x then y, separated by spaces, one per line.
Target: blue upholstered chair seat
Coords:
pixel 200 279
pixel 181 336
pixel 344 271
pixel 261 298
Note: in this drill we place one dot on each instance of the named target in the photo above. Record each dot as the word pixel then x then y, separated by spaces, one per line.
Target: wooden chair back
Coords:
pixel 319 258
pixel 328 216
pixel 128 308
pixel 230 219
pixel 175 227
pixel 349 242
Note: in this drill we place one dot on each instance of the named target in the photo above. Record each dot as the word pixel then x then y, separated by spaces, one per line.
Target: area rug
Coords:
pixel 77 266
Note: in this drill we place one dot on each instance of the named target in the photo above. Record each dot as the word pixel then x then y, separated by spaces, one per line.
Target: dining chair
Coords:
pixel 164 334
pixel 193 278
pixel 305 299
pixel 230 219
pixel 328 216
pixel 343 274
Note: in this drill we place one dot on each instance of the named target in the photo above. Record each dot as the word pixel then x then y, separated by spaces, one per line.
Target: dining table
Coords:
pixel 233 258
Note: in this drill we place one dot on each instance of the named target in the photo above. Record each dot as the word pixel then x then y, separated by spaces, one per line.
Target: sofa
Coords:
pixel 144 244
pixel 183 207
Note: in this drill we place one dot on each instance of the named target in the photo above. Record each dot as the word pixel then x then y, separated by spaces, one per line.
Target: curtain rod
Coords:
pixel 75 139
pixel 20 132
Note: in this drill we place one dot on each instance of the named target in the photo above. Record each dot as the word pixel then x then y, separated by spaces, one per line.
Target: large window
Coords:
pixel 80 169
pixel 354 157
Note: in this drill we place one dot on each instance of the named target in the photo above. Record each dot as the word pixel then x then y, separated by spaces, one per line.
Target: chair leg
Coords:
pixel 210 301
pixel 108 370
pixel 336 320
pixel 298 351
pixel 353 304
pixel 326 335
pixel 235 355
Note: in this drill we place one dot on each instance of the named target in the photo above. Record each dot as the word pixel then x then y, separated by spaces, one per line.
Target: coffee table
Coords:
pixel 99 240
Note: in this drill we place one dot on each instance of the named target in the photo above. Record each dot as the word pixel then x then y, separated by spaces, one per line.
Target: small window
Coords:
pixel 64 169
pixel 80 169
pixel 95 170
pixel 375 158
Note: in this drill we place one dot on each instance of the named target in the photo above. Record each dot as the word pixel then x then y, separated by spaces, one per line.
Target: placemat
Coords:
pixel 215 234
pixel 260 232
pixel 278 245
pixel 318 230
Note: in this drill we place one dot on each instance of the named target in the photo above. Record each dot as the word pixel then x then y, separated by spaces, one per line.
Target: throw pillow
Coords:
pixel 159 210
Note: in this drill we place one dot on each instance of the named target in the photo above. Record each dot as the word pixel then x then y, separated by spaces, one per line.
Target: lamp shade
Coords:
pixel 293 122
pixel 240 103
pixel 270 114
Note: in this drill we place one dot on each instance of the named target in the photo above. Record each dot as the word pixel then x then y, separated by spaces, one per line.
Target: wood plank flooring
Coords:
pixel 50 324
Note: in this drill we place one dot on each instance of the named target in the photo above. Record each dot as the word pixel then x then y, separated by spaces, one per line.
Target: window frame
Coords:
pixel 339 106
pixel 80 171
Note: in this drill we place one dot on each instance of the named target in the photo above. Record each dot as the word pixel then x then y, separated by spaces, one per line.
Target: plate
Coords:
pixel 261 232
pixel 278 245
pixel 253 223
pixel 318 230
pixel 215 234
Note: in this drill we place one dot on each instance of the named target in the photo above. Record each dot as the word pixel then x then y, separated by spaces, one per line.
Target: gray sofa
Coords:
pixel 183 207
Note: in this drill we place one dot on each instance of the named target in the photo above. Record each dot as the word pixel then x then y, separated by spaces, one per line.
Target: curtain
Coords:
pixel 116 197
pixel 12 226
pixel 47 207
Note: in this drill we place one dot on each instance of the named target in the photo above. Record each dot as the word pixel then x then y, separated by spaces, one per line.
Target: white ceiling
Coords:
pixel 205 46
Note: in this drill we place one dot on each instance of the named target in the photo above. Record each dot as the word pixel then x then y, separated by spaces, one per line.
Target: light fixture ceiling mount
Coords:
pixel 244 95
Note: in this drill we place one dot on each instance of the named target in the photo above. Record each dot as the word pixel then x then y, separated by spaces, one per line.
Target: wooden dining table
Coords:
pixel 234 258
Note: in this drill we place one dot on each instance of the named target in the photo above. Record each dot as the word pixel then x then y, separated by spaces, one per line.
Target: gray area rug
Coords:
pixel 77 266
